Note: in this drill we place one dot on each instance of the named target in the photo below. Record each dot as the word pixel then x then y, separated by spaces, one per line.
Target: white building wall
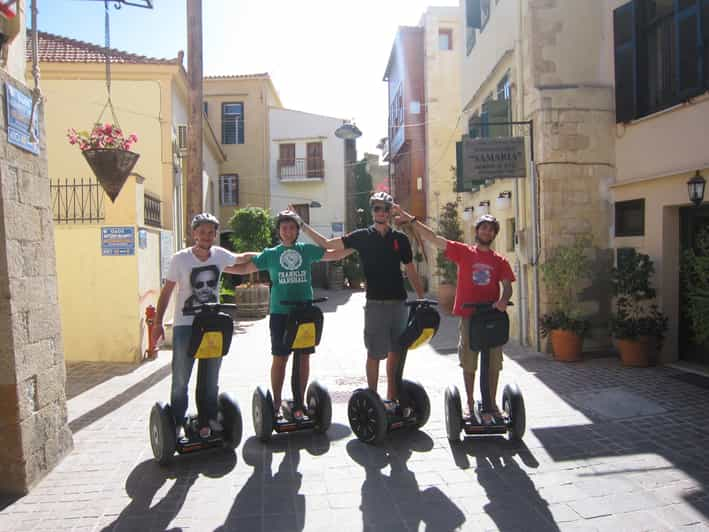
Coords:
pixel 299 128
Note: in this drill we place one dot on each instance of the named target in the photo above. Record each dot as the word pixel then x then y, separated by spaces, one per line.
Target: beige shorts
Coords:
pixel 468 358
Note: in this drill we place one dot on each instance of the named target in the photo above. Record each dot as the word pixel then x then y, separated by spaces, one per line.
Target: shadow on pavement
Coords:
pixel 335 298
pixel 268 500
pixel 514 502
pixel 119 400
pixel 82 376
pixel 148 477
pixel 396 502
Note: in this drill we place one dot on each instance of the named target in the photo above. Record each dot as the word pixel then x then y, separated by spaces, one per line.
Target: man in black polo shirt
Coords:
pixel 382 250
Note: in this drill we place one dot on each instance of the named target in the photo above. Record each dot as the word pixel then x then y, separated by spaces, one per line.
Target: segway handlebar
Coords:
pixel 480 306
pixel 304 303
pixel 207 307
pixel 421 302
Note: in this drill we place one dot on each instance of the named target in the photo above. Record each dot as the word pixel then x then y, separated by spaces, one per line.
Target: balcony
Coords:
pixel 308 169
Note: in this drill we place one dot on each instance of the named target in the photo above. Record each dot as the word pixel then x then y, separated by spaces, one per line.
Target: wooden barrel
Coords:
pixel 335 276
pixel 251 301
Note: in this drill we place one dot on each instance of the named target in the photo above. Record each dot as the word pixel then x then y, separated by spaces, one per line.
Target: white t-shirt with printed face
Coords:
pixel 197 280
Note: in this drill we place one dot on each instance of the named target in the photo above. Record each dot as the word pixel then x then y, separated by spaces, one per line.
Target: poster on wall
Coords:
pixel 142 238
pixel 19 111
pixel 166 251
pixel 117 241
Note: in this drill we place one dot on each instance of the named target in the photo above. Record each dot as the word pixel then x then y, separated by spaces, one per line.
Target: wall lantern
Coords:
pixel 504 200
pixel 695 188
pixel 348 131
pixel 468 214
pixel 484 207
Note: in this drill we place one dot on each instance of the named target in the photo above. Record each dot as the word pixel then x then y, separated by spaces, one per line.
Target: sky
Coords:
pixel 324 56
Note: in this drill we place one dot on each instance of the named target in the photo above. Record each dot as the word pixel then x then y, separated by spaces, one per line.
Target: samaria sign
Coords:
pixel 497 158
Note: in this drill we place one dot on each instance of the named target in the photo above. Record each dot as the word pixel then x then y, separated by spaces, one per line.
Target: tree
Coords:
pixel 252 228
pixel 449 228
pixel 363 189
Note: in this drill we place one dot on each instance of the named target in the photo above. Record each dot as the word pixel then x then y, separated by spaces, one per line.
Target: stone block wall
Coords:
pixel 34 434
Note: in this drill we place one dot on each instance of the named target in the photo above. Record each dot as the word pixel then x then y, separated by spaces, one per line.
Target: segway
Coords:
pixel 303 332
pixel 212 331
pixel 372 418
pixel 488 328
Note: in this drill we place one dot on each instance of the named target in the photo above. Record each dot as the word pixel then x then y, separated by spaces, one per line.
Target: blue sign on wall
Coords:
pixel 117 241
pixel 19 110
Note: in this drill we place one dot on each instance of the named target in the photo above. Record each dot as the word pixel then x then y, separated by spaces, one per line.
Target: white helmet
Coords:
pixel 490 219
pixel 381 196
pixel 204 218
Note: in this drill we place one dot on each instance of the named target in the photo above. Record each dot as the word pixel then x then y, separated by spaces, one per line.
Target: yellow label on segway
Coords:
pixel 305 337
pixel 210 346
pixel 424 337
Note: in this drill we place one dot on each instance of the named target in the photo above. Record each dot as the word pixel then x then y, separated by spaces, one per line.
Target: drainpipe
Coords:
pixel 522 314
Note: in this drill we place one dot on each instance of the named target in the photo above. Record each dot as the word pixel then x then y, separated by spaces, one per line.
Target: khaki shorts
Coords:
pixel 468 358
pixel 384 322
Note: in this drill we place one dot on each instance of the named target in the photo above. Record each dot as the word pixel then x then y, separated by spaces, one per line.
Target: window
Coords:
pixel 286 155
pixel 396 118
pixel 511 235
pixel 232 123
pixel 445 39
pixel 229 189
pixel 661 54
pixel 484 13
pixel 303 210
pixel 503 88
pixel 630 218
pixel 205 108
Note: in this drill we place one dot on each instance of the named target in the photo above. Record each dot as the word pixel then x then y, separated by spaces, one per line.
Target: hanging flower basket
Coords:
pixel 108 153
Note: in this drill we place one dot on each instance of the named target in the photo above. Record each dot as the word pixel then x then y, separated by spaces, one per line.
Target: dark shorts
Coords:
pixel 277 324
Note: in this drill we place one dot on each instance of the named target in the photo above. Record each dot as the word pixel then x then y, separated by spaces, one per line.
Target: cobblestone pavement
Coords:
pixel 607 448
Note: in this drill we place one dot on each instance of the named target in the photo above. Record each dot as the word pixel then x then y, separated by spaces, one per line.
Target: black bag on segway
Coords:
pixel 488 329
pixel 303 328
pixel 421 326
pixel 211 335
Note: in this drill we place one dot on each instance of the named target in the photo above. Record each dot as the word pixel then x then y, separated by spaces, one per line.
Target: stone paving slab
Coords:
pixel 577 469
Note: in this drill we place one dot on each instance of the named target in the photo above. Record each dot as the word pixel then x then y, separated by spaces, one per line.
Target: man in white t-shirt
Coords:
pixel 195 271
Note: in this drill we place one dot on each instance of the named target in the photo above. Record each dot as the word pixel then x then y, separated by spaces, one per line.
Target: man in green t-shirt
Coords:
pixel 288 264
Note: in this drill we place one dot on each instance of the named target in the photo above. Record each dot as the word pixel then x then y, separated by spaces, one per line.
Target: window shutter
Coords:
pixel 459 167
pixel 625 42
pixel 497 111
pixel 240 127
pixel 704 22
pixel 473 12
pixel 688 40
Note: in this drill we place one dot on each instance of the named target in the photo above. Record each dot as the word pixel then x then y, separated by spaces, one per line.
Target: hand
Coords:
pixel 501 305
pixel 297 217
pixel 158 332
pixel 400 215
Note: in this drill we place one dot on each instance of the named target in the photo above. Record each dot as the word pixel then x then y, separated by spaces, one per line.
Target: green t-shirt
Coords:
pixel 289 268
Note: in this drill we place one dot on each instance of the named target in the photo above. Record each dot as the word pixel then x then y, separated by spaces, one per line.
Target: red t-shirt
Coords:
pixel 479 275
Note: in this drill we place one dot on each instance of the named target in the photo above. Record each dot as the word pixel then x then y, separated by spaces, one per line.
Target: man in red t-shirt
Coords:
pixel 481 271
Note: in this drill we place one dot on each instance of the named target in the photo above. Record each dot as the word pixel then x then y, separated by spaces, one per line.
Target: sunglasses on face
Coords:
pixel 380 208
pixel 200 284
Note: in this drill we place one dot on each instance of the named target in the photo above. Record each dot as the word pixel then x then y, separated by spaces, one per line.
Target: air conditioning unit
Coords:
pixel 182 138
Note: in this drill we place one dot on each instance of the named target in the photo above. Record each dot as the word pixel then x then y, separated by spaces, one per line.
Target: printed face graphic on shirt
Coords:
pixel 482 274
pixel 291 261
pixel 205 284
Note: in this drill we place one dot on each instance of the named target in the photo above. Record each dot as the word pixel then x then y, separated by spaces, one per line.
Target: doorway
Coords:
pixel 694 235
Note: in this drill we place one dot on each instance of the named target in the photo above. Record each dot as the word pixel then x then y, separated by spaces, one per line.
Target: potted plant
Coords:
pixel 562 272
pixel 449 228
pixel 637 325
pixel 252 230
pixel 107 150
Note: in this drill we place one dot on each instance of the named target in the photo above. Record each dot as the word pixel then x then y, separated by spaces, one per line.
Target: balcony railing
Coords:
pixel 152 210
pixel 295 169
pixel 77 201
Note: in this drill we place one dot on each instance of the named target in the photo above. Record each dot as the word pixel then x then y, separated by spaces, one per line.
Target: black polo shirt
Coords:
pixel 381 258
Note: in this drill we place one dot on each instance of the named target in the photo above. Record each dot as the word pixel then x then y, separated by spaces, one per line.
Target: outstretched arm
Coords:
pixel 241 268
pixel 421 228
pixel 245 257
pixel 336 254
pixel 332 243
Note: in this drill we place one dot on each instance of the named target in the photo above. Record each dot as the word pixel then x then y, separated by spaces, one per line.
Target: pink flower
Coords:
pixel 133 137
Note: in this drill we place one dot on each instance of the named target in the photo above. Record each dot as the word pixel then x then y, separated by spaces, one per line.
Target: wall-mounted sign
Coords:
pixel 166 252
pixel 142 238
pixel 19 110
pixel 117 241
pixel 338 229
pixel 496 158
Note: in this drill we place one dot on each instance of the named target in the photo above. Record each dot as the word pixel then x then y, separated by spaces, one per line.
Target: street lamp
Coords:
pixel 348 131
pixel 695 187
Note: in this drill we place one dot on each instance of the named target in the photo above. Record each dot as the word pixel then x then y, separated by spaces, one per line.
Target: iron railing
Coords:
pixel 311 167
pixel 152 210
pixel 77 201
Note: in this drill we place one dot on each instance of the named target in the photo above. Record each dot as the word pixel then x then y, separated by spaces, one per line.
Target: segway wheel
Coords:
pixel 513 405
pixel 453 413
pixel 320 404
pixel 232 421
pixel 162 433
pixel 263 414
pixel 418 396
pixel 367 416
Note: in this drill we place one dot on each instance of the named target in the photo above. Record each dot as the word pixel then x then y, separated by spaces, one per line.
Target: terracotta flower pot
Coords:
pixel 446 297
pixel 633 352
pixel 566 345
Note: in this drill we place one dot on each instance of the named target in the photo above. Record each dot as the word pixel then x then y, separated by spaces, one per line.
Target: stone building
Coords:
pixel 33 414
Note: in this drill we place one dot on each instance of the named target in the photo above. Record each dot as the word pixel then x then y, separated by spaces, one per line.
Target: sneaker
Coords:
pixel 391 406
pixel 205 432
pixel 215 426
pixel 179 433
